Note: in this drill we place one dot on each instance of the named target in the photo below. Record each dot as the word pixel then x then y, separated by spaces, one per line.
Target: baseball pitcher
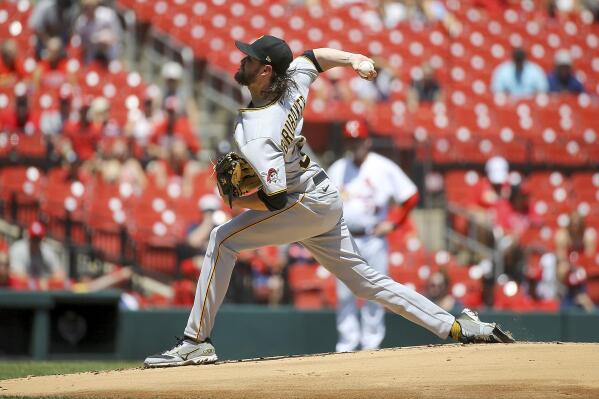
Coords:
pixel 295 202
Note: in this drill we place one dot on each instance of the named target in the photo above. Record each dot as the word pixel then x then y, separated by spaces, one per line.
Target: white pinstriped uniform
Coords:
pixel 366 191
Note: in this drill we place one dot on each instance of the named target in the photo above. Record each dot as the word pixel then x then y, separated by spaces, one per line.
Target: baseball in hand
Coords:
pixel 365 68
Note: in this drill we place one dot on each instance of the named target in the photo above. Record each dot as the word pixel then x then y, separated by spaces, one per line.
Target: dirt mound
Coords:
pixel 527 370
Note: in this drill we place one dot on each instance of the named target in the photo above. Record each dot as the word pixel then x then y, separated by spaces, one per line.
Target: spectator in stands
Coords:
pixel 576 295
pixel 363 90
pixel 172 73
pixel 390 13
pixel 174 126
pixel 543 280
pixel 100 31
pixel 192 251
pixel 575 238
pixel 4 269
pixel 81 135
pixel 141 124
pixel 561 11
pixel 424 88
pixel 99 114
pixel 175 165
pixel 519 77
pixel 333 88
pixel 490 193
pixel 573 279
pixel 212 216
pixel 116 166
pixel 71 170
pixel 511 219
pixel 564 280
pixel 593 7
pixel 373 91
pixel 11 66
pixel 52 70
pixel 34 262
pixel 21 119
pixel 241 286
pixel 297 253
pixel 493 187
pixel 267 276
pixel 513 213
pixel 437 290
pixel 562 78
pixel 53 18
pixel 53 121
pixel 434 11
pixel 104 41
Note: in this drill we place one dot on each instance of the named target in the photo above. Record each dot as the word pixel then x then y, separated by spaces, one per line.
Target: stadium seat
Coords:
pixel 20 189
pixel 105 216
pixel 306 286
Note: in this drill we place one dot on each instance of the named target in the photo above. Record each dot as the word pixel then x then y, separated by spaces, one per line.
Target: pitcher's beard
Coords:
pixel 241 78
pixel 244 78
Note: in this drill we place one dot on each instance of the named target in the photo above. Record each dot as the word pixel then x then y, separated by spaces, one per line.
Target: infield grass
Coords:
pixel 16 369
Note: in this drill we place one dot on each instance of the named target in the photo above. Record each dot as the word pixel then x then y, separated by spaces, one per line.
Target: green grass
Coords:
pixel 16 369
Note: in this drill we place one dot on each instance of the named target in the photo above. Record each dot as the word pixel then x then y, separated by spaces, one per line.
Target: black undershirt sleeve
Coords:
pixel 274 202
pixel 310 55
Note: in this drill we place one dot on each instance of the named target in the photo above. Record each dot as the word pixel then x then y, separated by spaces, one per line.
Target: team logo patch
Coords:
pixel 272 176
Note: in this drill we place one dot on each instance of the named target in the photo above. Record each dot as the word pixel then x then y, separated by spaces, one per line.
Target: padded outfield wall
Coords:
pixel 66 325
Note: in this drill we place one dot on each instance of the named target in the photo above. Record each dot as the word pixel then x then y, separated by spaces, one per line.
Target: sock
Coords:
pixel 456 331
pixel 188 338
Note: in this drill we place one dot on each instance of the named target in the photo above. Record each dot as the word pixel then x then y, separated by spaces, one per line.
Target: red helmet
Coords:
pixel 36 229
pixel 355 129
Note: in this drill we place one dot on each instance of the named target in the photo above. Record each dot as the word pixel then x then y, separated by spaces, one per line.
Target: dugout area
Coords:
pixel 62 325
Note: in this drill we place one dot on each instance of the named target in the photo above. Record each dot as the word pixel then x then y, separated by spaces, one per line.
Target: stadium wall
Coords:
pixel 66 325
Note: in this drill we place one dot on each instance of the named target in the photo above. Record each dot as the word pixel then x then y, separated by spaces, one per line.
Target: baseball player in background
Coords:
pixel 296 203
pixel 368 184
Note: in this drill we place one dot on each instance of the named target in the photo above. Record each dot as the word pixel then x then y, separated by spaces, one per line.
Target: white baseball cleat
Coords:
pixel 476 331
pixel 186 352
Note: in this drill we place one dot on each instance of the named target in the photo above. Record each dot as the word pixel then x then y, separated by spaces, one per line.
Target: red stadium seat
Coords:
pixel 20 189
pixel 30 147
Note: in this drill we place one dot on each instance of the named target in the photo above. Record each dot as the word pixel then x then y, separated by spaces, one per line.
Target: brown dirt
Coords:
pixel 524 370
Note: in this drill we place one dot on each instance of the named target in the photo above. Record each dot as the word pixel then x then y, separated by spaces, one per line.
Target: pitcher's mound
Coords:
pixel 524 370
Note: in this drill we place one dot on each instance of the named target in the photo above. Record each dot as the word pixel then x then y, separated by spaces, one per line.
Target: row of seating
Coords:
pixel 552 197
pixel 210 28
pixel 552 194
pixel 107 217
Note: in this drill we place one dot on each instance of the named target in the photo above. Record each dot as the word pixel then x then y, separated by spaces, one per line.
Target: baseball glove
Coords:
pixel 235 176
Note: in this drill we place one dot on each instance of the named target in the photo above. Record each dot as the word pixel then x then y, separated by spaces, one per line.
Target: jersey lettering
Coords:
pixel 295 114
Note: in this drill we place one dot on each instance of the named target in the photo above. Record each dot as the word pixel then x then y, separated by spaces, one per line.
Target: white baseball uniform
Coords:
pixel 366 191
pixel 270 139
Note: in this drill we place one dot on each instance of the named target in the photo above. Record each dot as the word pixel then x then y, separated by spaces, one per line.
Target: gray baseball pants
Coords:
pixel 363 326
pixel 314 219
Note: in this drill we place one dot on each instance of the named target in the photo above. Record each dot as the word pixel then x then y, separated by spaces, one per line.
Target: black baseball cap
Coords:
pixel 268 50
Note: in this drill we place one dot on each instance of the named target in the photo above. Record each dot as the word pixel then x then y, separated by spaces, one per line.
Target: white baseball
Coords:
pixel 365 68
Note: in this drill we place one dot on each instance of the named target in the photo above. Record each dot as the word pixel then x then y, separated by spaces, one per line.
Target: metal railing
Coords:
pixel 471 243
